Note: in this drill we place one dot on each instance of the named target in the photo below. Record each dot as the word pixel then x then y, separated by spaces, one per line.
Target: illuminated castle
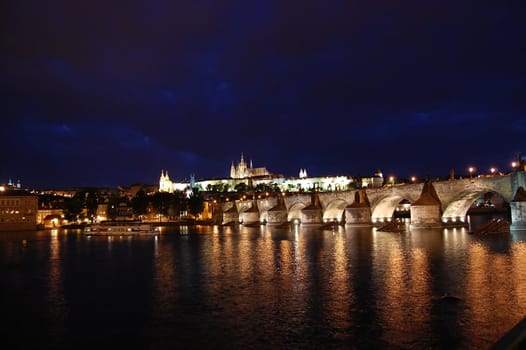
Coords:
pixel 242 170
pixel 167 185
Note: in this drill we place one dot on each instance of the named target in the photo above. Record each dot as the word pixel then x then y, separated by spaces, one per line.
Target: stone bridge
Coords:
pixel 455 196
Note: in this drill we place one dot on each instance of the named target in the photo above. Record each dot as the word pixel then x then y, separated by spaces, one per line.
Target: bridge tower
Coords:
pixel 359 212
pixel 425 211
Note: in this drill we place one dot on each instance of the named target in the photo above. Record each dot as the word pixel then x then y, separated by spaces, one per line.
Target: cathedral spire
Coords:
pixel 233 170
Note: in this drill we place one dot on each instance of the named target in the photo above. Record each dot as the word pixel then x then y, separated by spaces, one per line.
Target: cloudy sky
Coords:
pixel 107 93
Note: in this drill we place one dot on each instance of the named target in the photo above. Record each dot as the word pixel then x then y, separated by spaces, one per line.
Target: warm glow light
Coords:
pixel 2 188
pixel 513 164
pixel 492 170
pixel 413 178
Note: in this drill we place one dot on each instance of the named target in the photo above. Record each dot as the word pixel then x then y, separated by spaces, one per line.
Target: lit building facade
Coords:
pixel 247 174
pixel 18 210
pixel 167 185
pixel 373 182
pixel 325 183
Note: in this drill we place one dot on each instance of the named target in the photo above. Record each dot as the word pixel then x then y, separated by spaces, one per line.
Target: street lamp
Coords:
pixel 471 170
pixel 413 178
pixel 493 170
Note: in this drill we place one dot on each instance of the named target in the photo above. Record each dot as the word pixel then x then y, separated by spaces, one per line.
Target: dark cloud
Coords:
pixel 342 87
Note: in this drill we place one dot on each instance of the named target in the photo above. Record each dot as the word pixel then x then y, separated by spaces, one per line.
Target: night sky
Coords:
pixel 107 93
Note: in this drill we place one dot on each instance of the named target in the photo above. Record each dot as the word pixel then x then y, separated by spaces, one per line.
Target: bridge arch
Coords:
pixel 457 209
pixel 295 211
pixel 334 210
pixel 384 208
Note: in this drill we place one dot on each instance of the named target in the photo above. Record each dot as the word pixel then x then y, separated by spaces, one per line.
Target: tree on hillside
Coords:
pixel 241 187
pixel 196 203
pixel 73 207
pixel 92 203
pixel 140 204
pixel 161 202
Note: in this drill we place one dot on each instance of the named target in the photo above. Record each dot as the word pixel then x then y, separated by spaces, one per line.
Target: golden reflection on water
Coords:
pixel 55 282
pixel 454 237
pixel 420 288
pixel 392 290
pixel 272 276
pixel 404 287
pixel 339 293
pixel 519 276
pixel 165 279
pixel 244 254
pixel 491 312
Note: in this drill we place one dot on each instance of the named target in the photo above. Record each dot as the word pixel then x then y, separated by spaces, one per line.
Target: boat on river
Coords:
pixel 121 228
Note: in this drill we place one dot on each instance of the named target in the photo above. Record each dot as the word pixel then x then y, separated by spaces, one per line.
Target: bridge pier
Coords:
pixel 251 215
pixel 277 215
pixel 518 211
pixel 425 212
pixel 359 212
pixel 231 216
pixel 312 214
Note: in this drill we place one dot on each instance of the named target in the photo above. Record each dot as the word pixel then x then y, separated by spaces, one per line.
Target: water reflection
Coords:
pixel 518 275
pixel 338 294
pixel 250 287
pixel 164 281
pixel 490 291
pixel 56 302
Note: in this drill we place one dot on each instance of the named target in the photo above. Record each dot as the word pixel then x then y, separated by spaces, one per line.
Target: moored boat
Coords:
pixel 121 228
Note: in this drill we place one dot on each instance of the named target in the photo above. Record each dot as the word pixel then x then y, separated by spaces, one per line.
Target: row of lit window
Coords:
pixel 12 211
pixel 10 202
pixel 13 220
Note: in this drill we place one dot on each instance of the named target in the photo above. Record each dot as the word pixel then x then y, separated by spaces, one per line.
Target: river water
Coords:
pixel 230 287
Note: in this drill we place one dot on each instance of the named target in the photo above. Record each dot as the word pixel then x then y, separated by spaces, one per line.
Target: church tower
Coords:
pixel 165 184
pixel 242 168
pixel 233 174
